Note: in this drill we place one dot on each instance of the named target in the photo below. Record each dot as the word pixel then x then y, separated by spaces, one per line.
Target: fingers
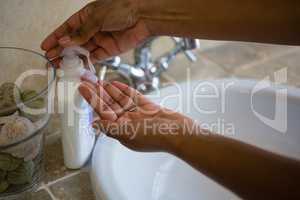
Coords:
pixel 106 41
pixel 112 96
pixel 139 99
pixel 54 63
pixel 103 95
pixel 52 44
pixel 115 106
pixel 54 52
pixel 99 54
pixel 73 23
pixel 51 41
pixel 107 47
pixel 83 34
pixel 103 110
pixel 90 25
pixel 79 27
pixel 90 46
pixel 123 100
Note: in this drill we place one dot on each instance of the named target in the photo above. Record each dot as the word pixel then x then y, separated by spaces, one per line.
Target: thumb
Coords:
pixel 81 36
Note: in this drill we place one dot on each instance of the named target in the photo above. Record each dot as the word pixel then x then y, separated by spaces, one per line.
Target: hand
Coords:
pixel 131 118
pixel 106 28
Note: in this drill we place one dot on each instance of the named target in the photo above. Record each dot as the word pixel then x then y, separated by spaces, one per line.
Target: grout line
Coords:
pixel 202 56
pixel 63 178
pixel 47 189
pixel 252 64
pixel 53 134
pixel 41 187
pixel 227 71
pixel 272 57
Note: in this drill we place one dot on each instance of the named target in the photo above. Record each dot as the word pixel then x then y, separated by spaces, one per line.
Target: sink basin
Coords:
pixel 258 113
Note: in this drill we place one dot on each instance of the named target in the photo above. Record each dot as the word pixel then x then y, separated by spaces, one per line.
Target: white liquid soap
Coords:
pixel 78 137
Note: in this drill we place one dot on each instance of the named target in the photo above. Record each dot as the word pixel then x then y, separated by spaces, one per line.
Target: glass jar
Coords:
pixel 26 84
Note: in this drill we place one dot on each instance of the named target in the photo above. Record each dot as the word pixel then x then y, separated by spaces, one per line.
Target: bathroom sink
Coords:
pixel 258 113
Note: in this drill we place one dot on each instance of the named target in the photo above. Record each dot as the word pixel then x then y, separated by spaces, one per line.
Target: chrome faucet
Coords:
pixel 145 74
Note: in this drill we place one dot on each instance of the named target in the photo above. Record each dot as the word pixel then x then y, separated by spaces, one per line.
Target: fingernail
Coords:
pixel 65 40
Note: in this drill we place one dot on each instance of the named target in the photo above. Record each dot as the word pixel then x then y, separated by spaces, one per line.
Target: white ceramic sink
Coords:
pixel 257 113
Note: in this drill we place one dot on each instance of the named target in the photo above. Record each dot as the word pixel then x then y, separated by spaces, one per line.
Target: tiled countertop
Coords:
pixel 216 60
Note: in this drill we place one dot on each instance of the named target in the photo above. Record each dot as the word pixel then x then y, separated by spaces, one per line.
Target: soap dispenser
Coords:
pixel 76 115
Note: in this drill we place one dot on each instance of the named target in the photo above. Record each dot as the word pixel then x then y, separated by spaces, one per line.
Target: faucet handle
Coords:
pixel 186 45
pixel 113 62
pixel 190 55
pixel 190 44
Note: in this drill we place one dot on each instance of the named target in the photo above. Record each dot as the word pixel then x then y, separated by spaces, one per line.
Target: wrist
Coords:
pixel 187 130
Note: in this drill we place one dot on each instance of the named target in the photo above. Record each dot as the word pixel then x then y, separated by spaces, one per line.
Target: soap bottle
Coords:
pixel 78 137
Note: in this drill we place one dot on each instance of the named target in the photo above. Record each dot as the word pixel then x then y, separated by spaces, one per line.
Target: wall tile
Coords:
pixel 236 54
pixel 183 70
pixel 268 69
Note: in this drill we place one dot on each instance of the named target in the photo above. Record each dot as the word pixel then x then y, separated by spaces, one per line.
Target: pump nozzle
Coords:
pixel 73 52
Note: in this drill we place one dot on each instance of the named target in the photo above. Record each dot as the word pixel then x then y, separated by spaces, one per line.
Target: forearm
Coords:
pixel 249 172
pixel 270 21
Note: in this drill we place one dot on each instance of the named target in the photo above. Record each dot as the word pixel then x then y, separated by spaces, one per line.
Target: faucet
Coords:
pixel 144 74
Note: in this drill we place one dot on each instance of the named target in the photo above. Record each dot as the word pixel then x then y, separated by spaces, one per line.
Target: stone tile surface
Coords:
pixel 267 51
pixel 74 188
pixel 231 55
pixel 236 54
pixel 259 72
pixel 161 45
pixel 54 126
pixel 40 195
pixel 54 161
pixel 183 70
pixel 289 62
